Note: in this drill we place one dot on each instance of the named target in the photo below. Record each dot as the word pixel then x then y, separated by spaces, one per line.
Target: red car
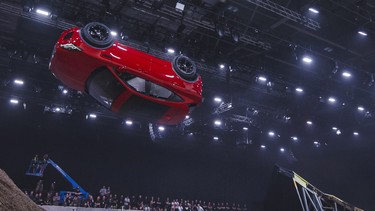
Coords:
pixel 127 81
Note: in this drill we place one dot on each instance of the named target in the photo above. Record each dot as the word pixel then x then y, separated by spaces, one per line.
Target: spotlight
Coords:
pixel 170 50
pixel 282 149
pixel 65 91
pixel 338 132
pixel 161 128
pixel 334 128
pixel 43 12
pixel 216 138
pixel 331 99
pixel 92 116
pixel 262 78
pixel 180 7
pixel 217 122
pixel 220 30
pixel 298 89
pixel 187 117
pixel 221 66
pixel 235 35
pixel 14 101
pixel 363 33
pixel 18 82
pixel 355 133
pixel 346 74
pixel 245 128
pixel 114 33
pixel 360 108
pixel 309 122
pixel 294 138
pixel 263 146
pixel 217 99
pixel 307 59
pixel 128 122
pixel 313 10
pixel 271 133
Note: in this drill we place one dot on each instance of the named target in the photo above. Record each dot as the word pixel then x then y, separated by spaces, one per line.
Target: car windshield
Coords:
pixel 147 87
pixel 104 87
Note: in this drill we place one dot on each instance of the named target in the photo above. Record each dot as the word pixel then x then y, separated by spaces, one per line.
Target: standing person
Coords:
pixel 103 191
pixel 127 203
pixel 56 199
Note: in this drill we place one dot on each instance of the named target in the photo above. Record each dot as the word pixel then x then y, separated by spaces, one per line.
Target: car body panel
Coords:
pixel 75 65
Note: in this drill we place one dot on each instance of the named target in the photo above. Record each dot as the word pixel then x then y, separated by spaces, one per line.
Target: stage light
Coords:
pixel 331 99
pixel 65 91
pixel 307 59
pixel 355 133
pixel 316 143
pixel 338 132
pixel 295 138
pixel 18 82
pixel 217 122
pixel 221 66
pixel 346 74
pixel 362 33
pixel 217 99
pixel 216 138
pixel 161 128
pixel 245 128
pixel 187 117
pixel 298 89
pixel 360 108
pixel 180 7
pixel 128 122
pixel 282 149
pixel 271 133
pixel 14 101
pixel 262 146
pixel 334 128
pixel 170 50
pixel 309 122
pixel 313 10
pixel 262 78
pixel 113 33
pixel 43 12
pixel 92 116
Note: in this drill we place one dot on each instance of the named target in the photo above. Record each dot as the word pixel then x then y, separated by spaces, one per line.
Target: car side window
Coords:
pixel 104 87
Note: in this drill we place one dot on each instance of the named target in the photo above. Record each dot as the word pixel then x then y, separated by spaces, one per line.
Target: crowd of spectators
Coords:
pixel 108 200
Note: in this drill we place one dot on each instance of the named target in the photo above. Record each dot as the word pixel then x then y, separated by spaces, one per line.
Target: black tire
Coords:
pixel 97 35
pixel 185 68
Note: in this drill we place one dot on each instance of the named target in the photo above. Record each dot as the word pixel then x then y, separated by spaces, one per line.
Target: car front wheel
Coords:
pixel 185 68
pixel 97 35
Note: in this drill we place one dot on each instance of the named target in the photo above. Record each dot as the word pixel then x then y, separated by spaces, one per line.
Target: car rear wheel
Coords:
pixel 97 35
pixel 185 68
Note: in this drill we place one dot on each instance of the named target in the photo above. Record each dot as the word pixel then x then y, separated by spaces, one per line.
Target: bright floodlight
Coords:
pixel 245 128
pixel 316 143
pixel 309 122
pixel 360 108
pixel 282 149
pixel 334 128
pixel 216 138
pixel 161 128
pixel 217 122
pixel 331 99
pixel 13 101
pixel 18 82
pixel 113 33
pixel 298 89
pixel 58 109
pixel 346 74
pixel 294 138
pixel 128 122
pixel 187 117
pixel 362 33
pixel 92 116
pixel 313 10
pixel 271 133
pixel 338 132
pixel 262 146
pixel 307 59
pixel 217 99
pixel 65 91
pixel 42 12
pixel 355 133
pixel 170 50
pixel 262 78
pixel 221 66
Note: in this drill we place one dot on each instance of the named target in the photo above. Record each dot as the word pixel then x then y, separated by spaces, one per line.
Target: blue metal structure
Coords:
pixel 37 169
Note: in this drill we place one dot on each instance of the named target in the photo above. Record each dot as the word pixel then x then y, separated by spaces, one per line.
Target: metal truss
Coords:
pixel 224 107
pixel 243 119
pixel 286 13
pixel 312 199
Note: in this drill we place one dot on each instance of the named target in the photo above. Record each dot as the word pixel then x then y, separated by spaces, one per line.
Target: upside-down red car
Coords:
pixel 127 81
